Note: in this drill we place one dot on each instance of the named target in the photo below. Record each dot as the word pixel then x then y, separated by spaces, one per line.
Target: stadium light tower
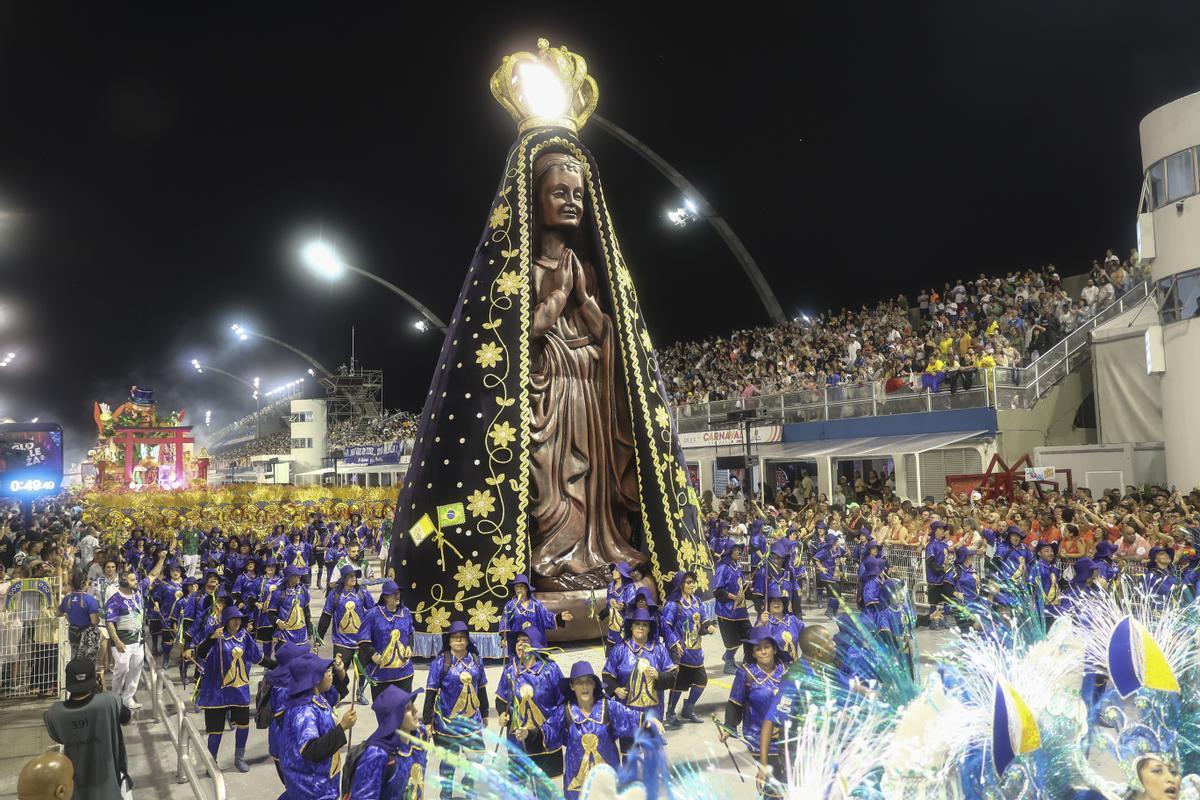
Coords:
pixel 243 333
pixel 696 207
pixel 324 259
pixel 253 387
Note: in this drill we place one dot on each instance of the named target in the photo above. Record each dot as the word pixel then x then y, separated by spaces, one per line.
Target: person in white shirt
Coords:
pixel 1106 296
pixel 87 548
pixel 853 347
pixel 1090 293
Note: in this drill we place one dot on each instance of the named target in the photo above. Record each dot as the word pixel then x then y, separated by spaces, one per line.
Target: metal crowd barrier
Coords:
pixel 194 764
pixel 32 639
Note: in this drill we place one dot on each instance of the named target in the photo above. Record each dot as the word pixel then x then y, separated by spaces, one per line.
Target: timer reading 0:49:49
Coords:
pixel 31 485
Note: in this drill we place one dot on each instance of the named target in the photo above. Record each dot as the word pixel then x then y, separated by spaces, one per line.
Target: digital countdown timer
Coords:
pixel 31 458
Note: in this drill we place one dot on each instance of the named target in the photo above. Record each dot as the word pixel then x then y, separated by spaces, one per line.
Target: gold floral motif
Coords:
pixel 680 478
pixel 702 579
pixel 646 341
pixel 502 433
pixel 484 615
pixel 481 503
pixel 662 417
pixel 469 575
pixel 499 216
pixel 508 283
pixel 502 570
pixel 687 553
pixel 438 621
pixel 488 355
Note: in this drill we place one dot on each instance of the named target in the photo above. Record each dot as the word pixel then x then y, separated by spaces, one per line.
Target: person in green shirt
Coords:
pixel 190 555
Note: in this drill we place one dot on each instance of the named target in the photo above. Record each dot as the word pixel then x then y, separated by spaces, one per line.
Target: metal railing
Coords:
pixel 194 764
pixel 1005 387
pixel 32 638
pixel 1022 387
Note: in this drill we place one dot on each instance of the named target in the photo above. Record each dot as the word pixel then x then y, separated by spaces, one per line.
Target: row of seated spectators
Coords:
pixel 983 323
pixel 396 427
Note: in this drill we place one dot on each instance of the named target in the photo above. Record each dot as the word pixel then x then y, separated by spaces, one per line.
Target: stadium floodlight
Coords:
pixel 421 325
pixel 240 332
pixel 8 357
pixel 686 213
pixel 35 419
pixel 323 259
pixel 285 387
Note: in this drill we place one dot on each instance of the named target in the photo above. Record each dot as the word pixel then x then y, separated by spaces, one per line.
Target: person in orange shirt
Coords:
pixel 1073 544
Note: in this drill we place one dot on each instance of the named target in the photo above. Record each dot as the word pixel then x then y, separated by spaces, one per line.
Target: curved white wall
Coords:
pixel 1164 131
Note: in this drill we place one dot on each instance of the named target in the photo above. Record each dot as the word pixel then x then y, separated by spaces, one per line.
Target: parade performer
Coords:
pixel 971 610
pixel 392 765
pixel 289 613
pixel 245 589
pixel 639 669
pixel 166 595
pixel 1012 564
pixel 346 605
pixel 179 623
pixel 274 692
pixel 752 700
pixel 938 578
pixel 799 572
pixel 827 559
pixel 299 554
pixel 530 688
pixel 729 589
pixel 1159 580
pixel 456 701
pixel 775 571
pixel 264 588
pixel 784 626
pixel 1105 550
pixel 386 642
pixel 227 655
pixel 1045 575
pixel 588 726
pixel 621 591
pixel 524 610
pixel 684 621
pixel 310 740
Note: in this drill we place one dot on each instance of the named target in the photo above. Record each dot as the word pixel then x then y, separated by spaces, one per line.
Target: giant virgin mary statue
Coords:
pixel 545 446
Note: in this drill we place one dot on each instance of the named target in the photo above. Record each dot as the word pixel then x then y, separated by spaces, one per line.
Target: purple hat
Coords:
pixel 293 570
pixel 1154 551
pixel 523 579
pixel 642 615
pixel 781 548
pixel 536 638
pixel 1105 549
pixel 644 593
pixel 623 569
pixel 961 554
pixel 1085 568
pixel 347 571
pixel 761 634
pixel 389 587
pixel 281 675
pixel 872 567
pixel 231 612
pixel 458 626
pixel 1013 530
pixel 774 592
pixel 389 707
pixel 304 673
pixel 1044 544
pixel 580 669
pixel 269 561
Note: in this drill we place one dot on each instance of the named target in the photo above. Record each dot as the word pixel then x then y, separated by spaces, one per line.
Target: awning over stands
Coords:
pixel 870 446
pixel 310 473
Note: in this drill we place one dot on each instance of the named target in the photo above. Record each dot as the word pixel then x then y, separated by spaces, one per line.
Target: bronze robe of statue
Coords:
pixel 583 481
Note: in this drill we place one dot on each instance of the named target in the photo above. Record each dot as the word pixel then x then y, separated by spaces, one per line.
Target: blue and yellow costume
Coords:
pixel 289 605
pixel 629 663
pixel 388 634
pixel 528 692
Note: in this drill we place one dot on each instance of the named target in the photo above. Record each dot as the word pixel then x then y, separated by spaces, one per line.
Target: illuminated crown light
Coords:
pixel 547 89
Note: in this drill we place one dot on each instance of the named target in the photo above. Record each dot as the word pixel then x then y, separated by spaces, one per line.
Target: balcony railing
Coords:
pixel 1005 387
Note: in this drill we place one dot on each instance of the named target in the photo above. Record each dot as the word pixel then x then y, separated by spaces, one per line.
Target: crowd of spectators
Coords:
pixel 395 427
pixel 948 334
pixel 279 443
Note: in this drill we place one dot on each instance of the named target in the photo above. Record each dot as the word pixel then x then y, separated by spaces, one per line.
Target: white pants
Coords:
pixel 127 670
pixel 189 564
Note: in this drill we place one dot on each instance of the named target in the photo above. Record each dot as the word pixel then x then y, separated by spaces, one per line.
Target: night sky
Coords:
pixel 161 164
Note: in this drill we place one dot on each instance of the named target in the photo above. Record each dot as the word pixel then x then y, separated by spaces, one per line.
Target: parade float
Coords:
pixel 140 450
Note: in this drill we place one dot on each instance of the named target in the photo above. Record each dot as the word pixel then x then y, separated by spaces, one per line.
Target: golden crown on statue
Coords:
pixel 547 89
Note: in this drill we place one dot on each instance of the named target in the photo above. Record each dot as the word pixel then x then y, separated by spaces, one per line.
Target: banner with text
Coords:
pixel 369 454
pixel 763 434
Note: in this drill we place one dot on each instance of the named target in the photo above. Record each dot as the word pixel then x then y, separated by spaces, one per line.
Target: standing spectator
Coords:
pixel 83 618
pixel 1132 547
pixel 88 726
pixel 87 548
pixel 190 555
pixel 124 614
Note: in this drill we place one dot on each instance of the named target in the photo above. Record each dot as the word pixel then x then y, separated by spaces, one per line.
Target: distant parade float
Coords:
pixel 138 449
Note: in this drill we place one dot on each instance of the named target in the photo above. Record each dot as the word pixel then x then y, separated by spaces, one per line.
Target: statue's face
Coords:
pixel 560 198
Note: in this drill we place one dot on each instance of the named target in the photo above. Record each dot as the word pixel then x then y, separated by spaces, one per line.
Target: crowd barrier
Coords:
pixel 34 650
pixel 194 764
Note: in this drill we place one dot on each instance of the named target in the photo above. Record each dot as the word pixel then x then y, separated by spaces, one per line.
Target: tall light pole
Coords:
pixel 323 259
pixel 701 208
pixel 244 333
pixel 253 387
